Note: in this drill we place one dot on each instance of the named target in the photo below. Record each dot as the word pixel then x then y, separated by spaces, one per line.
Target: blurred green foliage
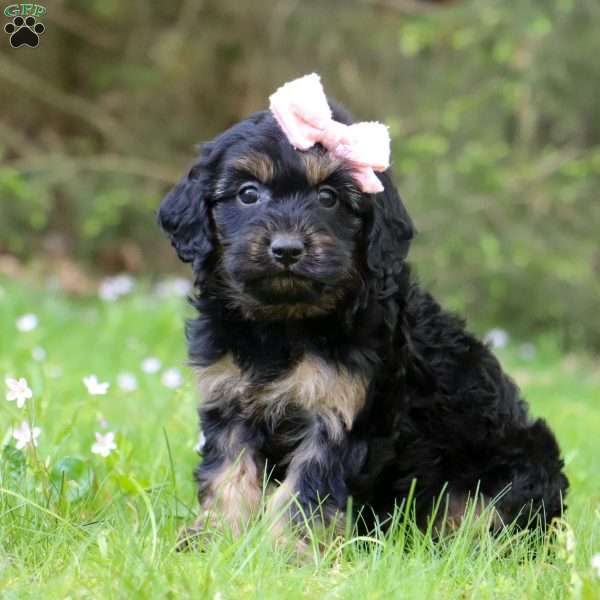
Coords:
pixel 492 104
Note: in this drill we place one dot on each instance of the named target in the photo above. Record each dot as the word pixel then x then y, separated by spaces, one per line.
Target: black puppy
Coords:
pixel 323 368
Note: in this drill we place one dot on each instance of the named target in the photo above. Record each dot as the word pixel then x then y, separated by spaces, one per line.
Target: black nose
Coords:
pixel 287 249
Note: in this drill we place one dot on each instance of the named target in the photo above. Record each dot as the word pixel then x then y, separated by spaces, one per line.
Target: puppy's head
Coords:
pixel 278 233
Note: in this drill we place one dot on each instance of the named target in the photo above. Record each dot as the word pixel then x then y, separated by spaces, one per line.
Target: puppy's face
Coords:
pixel 288 225
pixel 277 233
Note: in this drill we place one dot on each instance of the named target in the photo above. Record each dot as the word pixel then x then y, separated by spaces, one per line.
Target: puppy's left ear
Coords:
pixel 389 235
pixel 184 213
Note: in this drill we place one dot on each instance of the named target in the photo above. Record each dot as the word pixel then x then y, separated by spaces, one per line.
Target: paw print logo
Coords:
pixel 24 32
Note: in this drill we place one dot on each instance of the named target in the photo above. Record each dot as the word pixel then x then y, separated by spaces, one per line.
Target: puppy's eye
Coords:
pixel 327 197
pixel 248 193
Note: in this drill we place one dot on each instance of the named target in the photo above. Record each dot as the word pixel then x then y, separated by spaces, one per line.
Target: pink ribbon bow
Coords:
pixel 300 107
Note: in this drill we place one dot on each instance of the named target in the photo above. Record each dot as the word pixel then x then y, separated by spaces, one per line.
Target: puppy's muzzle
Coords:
pixel 286 249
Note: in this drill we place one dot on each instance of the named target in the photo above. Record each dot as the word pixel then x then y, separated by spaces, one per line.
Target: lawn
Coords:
pixel 76 524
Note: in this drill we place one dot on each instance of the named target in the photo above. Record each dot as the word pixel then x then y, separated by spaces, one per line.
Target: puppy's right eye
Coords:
pixel 248 193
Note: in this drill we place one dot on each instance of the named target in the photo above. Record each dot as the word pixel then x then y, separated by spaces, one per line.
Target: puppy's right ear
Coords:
pixel 184 213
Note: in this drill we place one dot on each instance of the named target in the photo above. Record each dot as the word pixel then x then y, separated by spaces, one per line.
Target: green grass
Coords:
pixel 106 527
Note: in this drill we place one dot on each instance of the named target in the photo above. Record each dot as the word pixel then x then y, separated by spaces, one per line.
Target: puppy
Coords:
pixel 324 370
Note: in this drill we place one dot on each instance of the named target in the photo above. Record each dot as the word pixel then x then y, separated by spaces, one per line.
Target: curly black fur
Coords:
pixel 431 402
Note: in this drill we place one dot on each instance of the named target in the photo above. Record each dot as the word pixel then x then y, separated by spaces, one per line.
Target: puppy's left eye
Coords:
pixel 328 197
pixel 248 193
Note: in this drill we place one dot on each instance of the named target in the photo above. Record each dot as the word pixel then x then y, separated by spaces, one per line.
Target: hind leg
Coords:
pixel 519 471
pixel 526 473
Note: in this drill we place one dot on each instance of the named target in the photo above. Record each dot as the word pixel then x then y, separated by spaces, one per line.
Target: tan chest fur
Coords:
pixel 312 384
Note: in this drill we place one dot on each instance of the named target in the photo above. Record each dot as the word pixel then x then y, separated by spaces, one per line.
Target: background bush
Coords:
pixel 493 108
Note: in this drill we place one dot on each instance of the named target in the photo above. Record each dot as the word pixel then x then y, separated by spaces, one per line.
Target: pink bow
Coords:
pixel 300 107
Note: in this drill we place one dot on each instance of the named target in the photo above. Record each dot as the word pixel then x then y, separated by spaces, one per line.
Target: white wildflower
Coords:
pixel 104 444
pixel 94 387
pixel 25 435
pixel 201 443
pixel 127 382
pixel 112 288
pixel 497 338
pixel 151 365
pixel 27 322
pixel 570 542
pixel 172 378
pixel 38 353
pixel 18 390
pixel 596 564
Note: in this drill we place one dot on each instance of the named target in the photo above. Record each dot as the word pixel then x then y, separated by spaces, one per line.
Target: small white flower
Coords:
pixel 94 387
pixel 104 444
pixel 172 378
pixel 596 564
pixel 25 435
pixel 112 288
pixel 570 542
pixel 18 390
pixel 497 338
pixel 38 353
pixel 151 365
pixel 201 443
pixel 127 382
pixel 102 421
pixel 27 322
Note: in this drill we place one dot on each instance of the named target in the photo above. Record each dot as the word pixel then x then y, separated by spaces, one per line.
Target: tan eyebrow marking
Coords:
pixel 259 165
pixel 319 167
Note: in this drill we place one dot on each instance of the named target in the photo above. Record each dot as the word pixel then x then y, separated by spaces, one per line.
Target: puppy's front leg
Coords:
pixel 229 477
pixel 314 486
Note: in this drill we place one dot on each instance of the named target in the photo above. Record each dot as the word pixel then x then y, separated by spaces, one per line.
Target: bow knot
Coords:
pixel 301 109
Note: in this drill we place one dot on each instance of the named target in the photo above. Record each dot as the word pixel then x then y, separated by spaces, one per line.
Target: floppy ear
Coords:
pixel 389 234
pixel 184 213
pixel 389 231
